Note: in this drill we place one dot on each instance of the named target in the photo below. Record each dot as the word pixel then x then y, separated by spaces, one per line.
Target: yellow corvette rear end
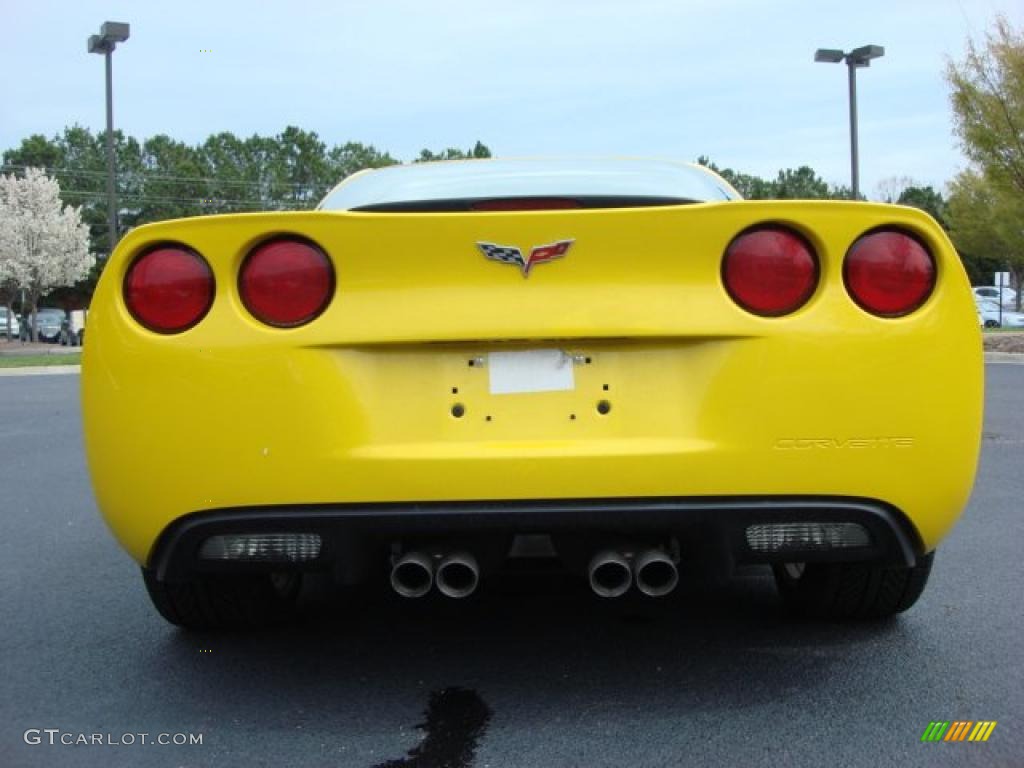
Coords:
pixel 438 408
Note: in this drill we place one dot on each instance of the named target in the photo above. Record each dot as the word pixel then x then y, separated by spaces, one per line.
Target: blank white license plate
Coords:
pixel 531 370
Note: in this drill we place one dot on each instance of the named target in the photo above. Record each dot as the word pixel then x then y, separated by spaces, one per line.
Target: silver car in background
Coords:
pixel 992 293
pixel 48 325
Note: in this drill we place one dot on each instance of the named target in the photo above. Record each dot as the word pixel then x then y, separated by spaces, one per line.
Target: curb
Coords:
pixel 1012 358
pixel 42 370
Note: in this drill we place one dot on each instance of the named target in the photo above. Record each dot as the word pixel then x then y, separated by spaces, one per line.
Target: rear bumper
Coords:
pixel 713 528
pixel 381 400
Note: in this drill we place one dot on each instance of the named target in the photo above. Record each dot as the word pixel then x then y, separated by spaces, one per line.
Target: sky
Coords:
pixel 731 79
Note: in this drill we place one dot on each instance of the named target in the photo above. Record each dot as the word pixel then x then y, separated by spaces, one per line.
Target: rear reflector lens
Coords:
pixel 889 273
pixel 770 270
pixel 804 537
pixel 169 289
pixel 286 282
pixel 262 547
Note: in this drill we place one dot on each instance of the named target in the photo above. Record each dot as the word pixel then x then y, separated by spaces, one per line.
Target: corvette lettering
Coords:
pixel 832 443
pixel 510 254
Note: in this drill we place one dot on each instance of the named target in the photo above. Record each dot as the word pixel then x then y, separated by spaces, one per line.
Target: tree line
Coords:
pixel 163 178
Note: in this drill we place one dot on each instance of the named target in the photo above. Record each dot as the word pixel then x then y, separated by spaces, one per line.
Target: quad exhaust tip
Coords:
pixel 413 574
pixel 610 574
pixel 457 575
pixel 655 573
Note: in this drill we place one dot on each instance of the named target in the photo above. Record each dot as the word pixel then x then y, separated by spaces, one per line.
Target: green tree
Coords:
pixel 988 104
pixel 800 184
pixel 36 151
pixel 173 181
pixel 749 187
pixel 928 200
pixel 299 171
pixel 986 206
pixel 988 224
pixel 352 157
pixel 790 184
pixel 479 150
pixel 227 160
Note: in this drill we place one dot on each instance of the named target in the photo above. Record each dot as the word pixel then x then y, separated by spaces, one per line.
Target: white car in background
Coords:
pixel 15 325
pixel 991 317
pixel 72 330
pixel 991 293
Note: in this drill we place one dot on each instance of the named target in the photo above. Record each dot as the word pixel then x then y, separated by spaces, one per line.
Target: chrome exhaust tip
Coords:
pixel 457 575
pixel 413 574
pixel 655 572
pixel 610 574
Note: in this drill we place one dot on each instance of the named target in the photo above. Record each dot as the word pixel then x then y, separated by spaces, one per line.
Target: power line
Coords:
pixel 150 175
pixel 99 194
pixel 160 199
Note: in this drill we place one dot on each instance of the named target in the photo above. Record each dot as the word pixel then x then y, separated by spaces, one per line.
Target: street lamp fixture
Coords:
pixel 855 59
pixel 111 33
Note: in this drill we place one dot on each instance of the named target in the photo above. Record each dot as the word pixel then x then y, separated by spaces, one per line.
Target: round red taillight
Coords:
pixel 169 288
pixel 889 272
pixel 286 282
pixel 770 270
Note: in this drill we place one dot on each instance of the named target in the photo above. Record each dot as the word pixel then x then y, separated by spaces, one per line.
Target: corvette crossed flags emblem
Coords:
pixel 510 254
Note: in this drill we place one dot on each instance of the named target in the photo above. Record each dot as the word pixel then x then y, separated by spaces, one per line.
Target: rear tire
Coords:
pixel 840 591
pixel 245 601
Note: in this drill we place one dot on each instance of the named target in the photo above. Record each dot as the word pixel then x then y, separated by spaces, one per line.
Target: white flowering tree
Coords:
pixel 43 243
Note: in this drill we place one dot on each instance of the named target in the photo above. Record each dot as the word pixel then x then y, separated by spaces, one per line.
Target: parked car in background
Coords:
pixel 1013 319
pixel 988 313
pixel 48 324
pixel 72 330
pixel 15 325
pixel 993 317
pixel 991 293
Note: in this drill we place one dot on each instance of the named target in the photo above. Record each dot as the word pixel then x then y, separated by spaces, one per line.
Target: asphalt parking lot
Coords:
pixel 532 674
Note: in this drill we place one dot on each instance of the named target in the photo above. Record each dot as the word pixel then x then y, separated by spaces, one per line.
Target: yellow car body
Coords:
pixel 704 399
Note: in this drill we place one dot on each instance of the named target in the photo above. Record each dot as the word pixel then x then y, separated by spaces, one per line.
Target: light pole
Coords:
pixel 111 33
pixel 855 59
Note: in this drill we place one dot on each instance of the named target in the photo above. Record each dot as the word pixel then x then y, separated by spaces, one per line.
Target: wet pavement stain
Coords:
pixel 456 719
